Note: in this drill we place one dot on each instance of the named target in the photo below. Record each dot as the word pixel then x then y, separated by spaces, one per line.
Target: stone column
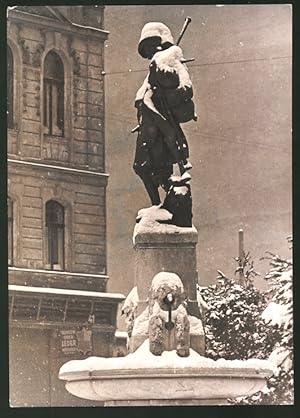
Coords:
pixel 172 249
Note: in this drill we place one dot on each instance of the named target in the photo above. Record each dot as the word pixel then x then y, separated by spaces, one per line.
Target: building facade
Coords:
pixel 58 305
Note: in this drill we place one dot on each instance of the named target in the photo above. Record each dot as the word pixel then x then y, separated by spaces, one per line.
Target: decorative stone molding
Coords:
pixel 38 99
pixel 13 43
pixel 22 43
pixel 36 58
pixel 24 90
pixel 25 52
pixel 74 55
pixel 16 192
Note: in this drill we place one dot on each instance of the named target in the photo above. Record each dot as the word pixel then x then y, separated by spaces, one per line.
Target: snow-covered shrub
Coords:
pixel 234 326
pixel 243 322
pixel 279 316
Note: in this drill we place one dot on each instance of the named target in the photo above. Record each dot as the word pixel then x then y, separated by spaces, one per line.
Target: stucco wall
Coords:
pixel 240 146
pixel 34 382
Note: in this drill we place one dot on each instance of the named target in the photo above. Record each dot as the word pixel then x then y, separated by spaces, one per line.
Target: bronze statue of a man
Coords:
pixel 163 102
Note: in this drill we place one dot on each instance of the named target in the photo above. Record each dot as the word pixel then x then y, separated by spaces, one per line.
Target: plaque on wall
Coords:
pixel 76 341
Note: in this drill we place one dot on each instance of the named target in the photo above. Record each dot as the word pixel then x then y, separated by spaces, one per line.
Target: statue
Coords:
pixel 163 102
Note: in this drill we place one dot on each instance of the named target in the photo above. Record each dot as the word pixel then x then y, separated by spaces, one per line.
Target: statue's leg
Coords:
pixel 151 188
pixel 176 143
pixel 145 164
pixel 181 164
pixel 156 335
pixel 162 176
pixel 168 135
pixel 182 336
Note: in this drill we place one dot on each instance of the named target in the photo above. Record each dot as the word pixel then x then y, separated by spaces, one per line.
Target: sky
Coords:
pixel 240 146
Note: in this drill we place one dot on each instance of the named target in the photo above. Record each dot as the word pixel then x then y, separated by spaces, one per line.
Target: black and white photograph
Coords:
pixel 149 205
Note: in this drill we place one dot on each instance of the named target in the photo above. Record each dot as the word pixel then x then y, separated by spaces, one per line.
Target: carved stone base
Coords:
pixel 197 341
pixel 171 249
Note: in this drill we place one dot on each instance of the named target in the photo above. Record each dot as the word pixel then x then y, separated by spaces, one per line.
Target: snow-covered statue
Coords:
pixel 163 102
pixel 169 326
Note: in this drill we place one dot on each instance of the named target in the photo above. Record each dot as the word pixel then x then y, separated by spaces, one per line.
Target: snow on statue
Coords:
pixel 163 102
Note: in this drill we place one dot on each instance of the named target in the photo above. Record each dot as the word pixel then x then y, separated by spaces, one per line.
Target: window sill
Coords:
pixel 56 148
pixel 56 138
pixel 56 267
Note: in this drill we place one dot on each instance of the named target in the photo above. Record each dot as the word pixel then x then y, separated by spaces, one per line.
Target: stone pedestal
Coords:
pixel 171 249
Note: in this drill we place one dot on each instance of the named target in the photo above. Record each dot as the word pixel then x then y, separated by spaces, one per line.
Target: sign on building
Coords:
pixel 76 341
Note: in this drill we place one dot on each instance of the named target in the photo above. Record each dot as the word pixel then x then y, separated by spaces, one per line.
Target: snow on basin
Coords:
pixel 141 375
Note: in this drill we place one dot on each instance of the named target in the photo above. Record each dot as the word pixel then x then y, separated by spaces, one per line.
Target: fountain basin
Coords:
pixel 145 378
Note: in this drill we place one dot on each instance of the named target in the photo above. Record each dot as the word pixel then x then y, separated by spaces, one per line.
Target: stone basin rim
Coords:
pixel 147 373
pixel 145 388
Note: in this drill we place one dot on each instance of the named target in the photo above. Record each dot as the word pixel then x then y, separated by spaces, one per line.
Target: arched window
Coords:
pixel 55 223
pixel 53 105
pixel 10 241
pixel 10 88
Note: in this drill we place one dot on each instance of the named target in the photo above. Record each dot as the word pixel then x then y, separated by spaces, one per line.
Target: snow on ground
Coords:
pixel 142 358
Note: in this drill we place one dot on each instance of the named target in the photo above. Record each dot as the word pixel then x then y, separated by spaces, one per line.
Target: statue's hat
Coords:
pixel 154 30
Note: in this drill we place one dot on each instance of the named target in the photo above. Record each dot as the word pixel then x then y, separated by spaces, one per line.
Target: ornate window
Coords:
pixel 10 220
pixel 55 223
pixel 53 103
pixel 10 88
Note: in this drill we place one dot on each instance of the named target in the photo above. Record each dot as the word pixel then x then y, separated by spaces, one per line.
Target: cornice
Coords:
pixel 45 22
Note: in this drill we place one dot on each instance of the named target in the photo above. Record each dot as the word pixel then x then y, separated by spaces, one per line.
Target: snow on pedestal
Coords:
pixel 152 221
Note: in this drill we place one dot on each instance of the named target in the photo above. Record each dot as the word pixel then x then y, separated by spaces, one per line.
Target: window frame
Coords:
pixel 10 232
pixel 10 88
pixel 55 236
pixel 50 84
